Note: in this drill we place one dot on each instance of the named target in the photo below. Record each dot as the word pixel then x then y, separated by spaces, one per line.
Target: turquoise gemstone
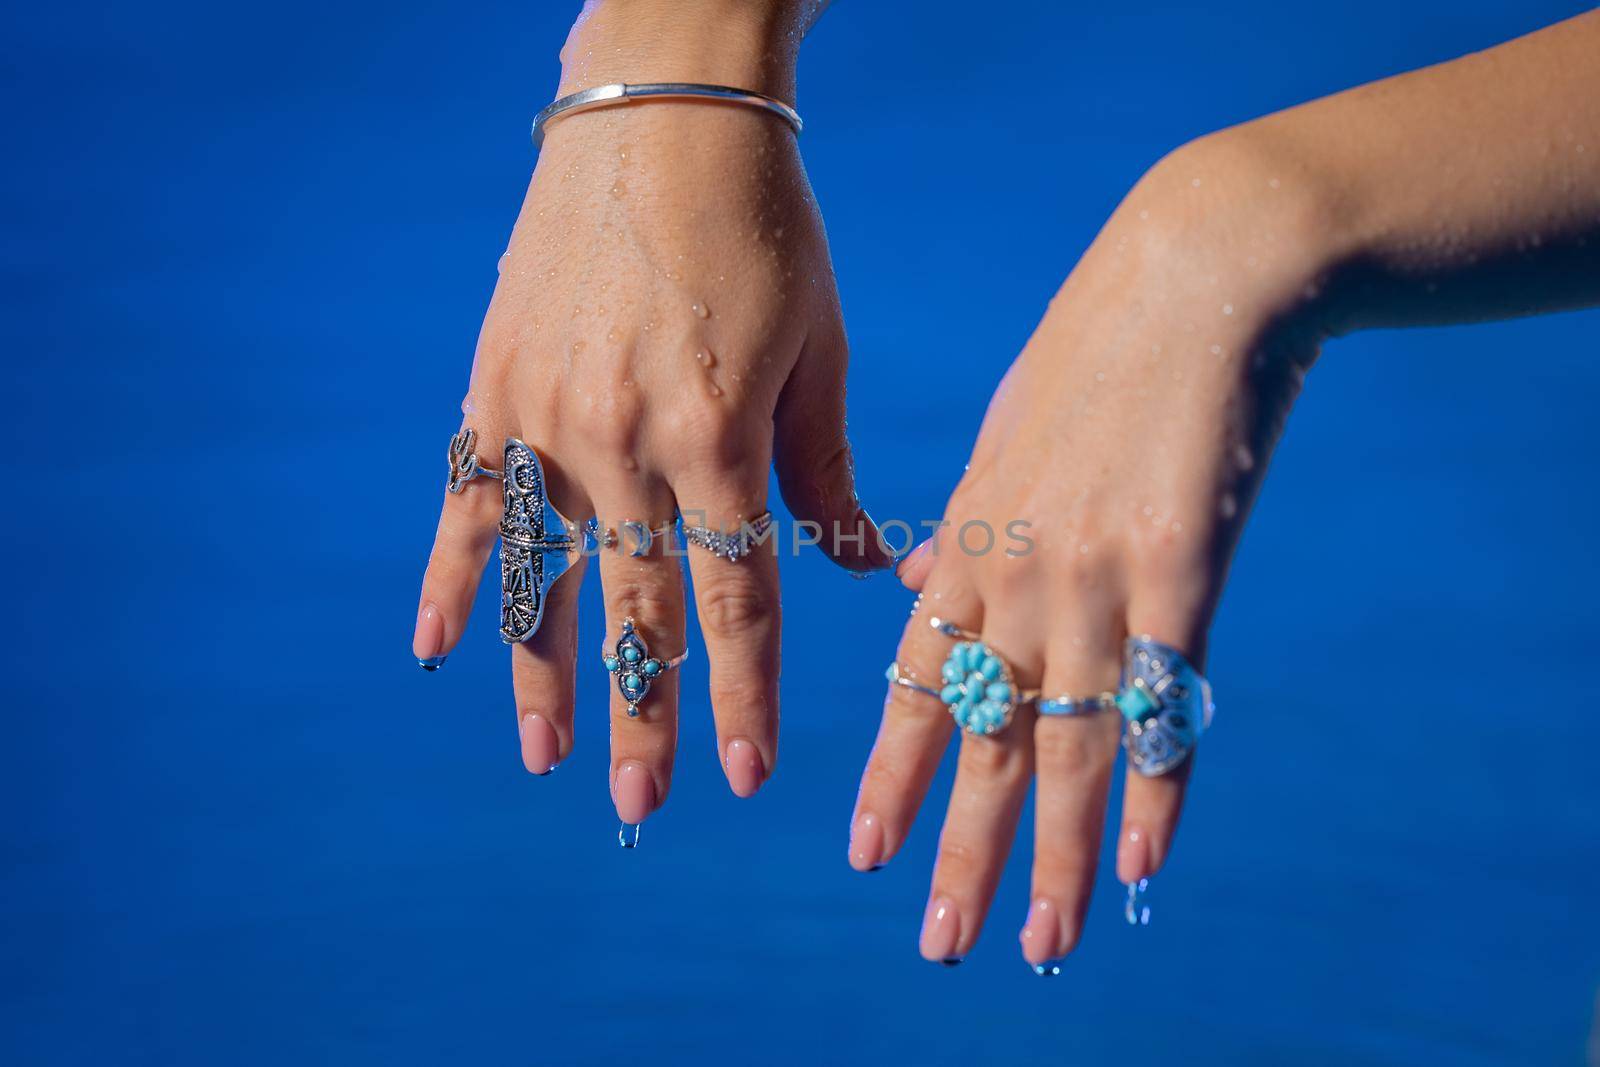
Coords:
pixel 961 713
pixel 951 694
pixel 975 655
pixel 651 668
pixel 952 670
pixel 1134 703
pixel 631 654
pixel 612 664
pixel 999 692
pixel 990 668
pixel 632 682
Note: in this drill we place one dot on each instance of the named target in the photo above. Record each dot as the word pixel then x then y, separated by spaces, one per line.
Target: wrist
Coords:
pixel 747 44
pixel 1247 210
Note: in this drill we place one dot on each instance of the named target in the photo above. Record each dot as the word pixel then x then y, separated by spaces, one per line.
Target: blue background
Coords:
pixel 245 257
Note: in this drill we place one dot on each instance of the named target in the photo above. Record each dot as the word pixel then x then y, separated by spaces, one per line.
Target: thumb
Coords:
pixel 811 453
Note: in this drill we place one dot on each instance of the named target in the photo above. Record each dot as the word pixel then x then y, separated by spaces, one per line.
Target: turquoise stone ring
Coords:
pixel 1167 705
pixel 634 667
pixel 978 688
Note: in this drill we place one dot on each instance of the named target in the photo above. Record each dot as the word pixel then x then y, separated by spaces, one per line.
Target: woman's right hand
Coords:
pixel 665 329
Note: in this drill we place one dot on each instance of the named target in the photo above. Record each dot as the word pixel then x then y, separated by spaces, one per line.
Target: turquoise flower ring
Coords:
pixel 634 667
pixel 980 689
pixel 1167 705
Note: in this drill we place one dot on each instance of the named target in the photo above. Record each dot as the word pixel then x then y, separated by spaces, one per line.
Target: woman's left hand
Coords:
pixel 1128 440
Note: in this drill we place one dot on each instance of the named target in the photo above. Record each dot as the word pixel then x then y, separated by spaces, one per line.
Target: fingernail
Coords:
pixel 876 551
pixel 628 835
pixel 541 750
pixel 634 793
pixel 1133 856
pixel 746 772
pixel 906 566
pixel 1135 910
pixel 941 932
pixel 866 842
pixel 1041 937
pixel 427 643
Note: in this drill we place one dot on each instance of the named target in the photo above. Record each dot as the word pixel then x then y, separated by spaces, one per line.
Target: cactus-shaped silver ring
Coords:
pixel 464 465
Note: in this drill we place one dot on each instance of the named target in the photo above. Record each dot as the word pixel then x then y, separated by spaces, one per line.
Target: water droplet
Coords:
pixel 619 189
pixel 700 311
pixel 500 264
pixel 628 835
pixel 1099 375
pixel 1272 183
pixel 713 389
pixel 706 358
pixel 1216 350
pixel 1227 309
pixel 1243 458
pixel 1227 507
pixel 1136 911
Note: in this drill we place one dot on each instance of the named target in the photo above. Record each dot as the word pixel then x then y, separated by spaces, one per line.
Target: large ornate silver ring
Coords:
pixel 1167 705
pixel 635 669
pixel 536 544
pixel 464 465
pixel 735 546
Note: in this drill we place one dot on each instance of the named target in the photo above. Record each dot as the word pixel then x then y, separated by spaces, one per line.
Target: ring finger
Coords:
pixel 986 801
pixel 643 586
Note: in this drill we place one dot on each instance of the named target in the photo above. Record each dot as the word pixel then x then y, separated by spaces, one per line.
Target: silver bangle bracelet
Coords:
pixel 618 93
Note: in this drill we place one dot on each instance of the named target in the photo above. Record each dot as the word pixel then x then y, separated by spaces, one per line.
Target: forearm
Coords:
pixel 1468 190
pixel 750 44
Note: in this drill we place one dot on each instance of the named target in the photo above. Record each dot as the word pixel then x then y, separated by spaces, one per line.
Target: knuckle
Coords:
pixel 1071 753
pixel 656 605
pixel 719 440
pixel 992 760
pixel 611 426
pixel 728 609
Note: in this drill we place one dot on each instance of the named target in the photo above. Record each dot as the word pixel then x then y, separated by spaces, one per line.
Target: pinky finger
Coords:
pixel 468 527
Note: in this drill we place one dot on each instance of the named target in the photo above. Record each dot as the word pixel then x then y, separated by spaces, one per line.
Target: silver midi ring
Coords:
pixel 1167 705
pixel 536 543
pixel 637 535
pixel 635 668
pixel 732 547
pixel 898 675
pixel 464 465
pixel 980 688
pixel 1066 705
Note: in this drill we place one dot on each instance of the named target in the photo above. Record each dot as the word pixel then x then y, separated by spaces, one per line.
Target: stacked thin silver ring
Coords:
pixel 1165 702
pixel 537 544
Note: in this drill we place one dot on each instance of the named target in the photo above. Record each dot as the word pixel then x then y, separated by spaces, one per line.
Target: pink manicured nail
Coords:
pixel 941 932
pixel 1133 856
pixel 1041 937
pixel 541 751
pixel 428 641
pixel 866 843
pixel 746 772
pixel 634 793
